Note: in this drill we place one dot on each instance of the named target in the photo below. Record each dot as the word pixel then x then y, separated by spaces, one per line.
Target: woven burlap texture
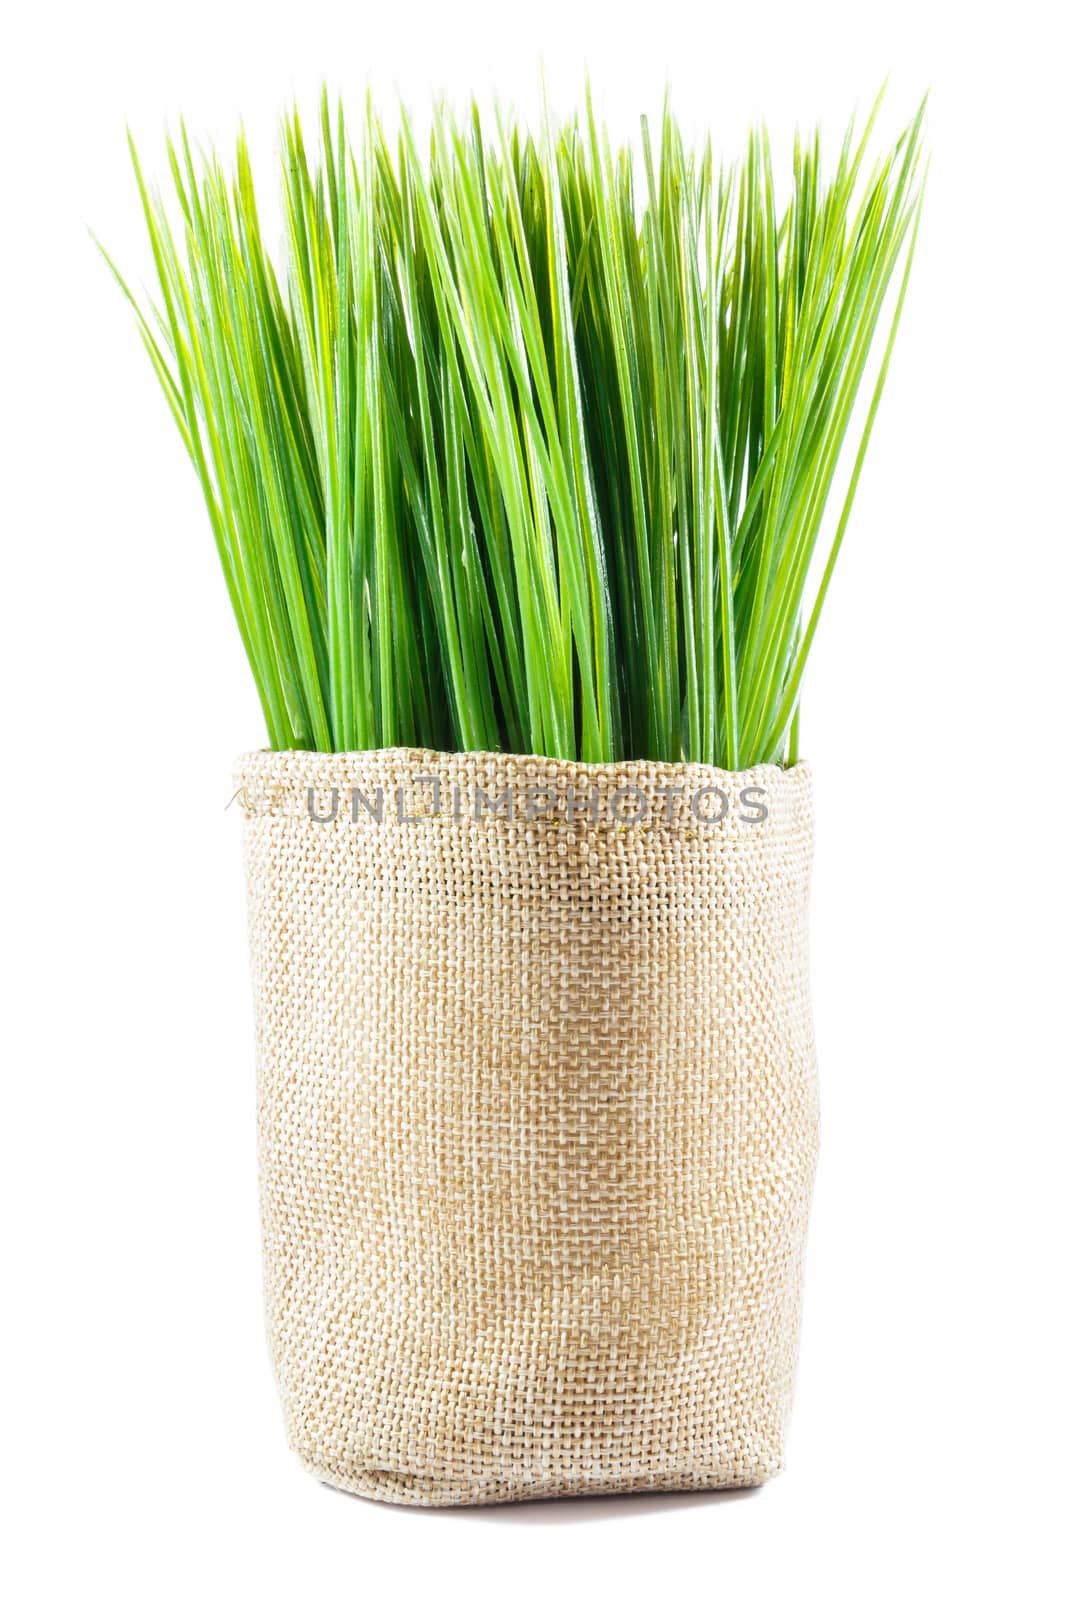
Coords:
pixel 537 1117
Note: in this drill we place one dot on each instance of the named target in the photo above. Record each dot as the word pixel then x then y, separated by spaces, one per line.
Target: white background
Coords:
pixel 142 1441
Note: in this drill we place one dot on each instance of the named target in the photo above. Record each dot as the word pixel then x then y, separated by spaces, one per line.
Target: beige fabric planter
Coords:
pixel 537 1117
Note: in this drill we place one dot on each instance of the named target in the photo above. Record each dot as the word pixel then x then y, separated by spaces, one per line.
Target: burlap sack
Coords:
pixel 537 1117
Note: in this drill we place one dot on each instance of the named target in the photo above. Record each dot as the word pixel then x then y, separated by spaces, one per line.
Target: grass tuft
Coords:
pixel 528 444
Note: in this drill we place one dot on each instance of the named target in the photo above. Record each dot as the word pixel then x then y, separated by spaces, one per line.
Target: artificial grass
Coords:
pixel 528 443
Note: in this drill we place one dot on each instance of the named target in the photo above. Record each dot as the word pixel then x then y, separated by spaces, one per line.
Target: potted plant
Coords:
pixel 517 473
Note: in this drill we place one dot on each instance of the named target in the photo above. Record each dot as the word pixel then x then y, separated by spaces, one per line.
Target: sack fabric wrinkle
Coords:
pixel 537 1117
